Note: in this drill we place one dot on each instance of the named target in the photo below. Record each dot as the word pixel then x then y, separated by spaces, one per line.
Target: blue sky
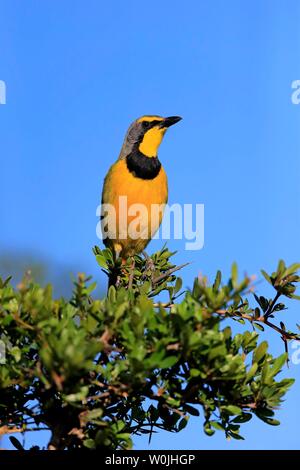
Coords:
pixel 77 73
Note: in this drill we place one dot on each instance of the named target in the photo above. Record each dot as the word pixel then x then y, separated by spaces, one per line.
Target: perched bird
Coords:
pixel 137 177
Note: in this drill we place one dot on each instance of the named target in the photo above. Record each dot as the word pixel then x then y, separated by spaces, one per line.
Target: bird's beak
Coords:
pixel 169 121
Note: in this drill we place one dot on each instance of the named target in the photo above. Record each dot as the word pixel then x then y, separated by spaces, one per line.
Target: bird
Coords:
pixel 137 177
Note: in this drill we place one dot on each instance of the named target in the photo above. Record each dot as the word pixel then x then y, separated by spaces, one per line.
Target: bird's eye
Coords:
pixel 146 124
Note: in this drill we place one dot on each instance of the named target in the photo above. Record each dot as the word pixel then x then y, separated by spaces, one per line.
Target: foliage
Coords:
pixel 97 372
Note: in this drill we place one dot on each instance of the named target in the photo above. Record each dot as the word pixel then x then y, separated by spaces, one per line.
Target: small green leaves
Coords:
pixel 284 279
pixel 139 360
pixel 263 302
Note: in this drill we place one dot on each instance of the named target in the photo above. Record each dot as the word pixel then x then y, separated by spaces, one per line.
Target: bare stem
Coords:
pixel 262 319
pixel 271 306
pixel 169 272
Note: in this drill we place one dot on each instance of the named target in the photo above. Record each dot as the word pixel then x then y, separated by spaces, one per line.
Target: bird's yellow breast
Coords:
pixel 120 181
pixel 147 192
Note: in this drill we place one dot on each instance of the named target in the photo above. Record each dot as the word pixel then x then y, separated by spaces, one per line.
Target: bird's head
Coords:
pixel 146 133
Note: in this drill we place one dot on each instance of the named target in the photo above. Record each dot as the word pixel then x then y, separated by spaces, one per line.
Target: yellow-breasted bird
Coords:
pixel 139 176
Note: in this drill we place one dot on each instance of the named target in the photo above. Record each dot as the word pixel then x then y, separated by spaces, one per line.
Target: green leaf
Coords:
pixel 178 285
pixel 79 396
pixel 91 287
pixel 277 365
pixel 112 296
pixel 232 409
pixel 217 281
pixel 236 436
pixel 217 425
pixel 169 361
pixel 281 267
pixel 260 352
pixel 208 431
pixel 123 436
pixel 16 353
pixel 89 443
pixel 191 410
pixel 16 443
pixel 296 297
pixel 101 261
pixel 292 269
pixel 234 274
pixel 182 423
pixel 94 414
pixel 252 371
pixel 243 418
pixel 266 276
pixel 266 419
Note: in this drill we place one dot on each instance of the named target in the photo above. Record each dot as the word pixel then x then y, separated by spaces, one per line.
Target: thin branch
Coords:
pixel 283 333
pixel 263 320
pixel 164 305
pixel 7 430
pixel 271 306
pixel 131 275
pixel 25 325
pixel 169 272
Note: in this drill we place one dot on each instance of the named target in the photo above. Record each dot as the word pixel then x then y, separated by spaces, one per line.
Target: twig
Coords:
pixel 13 430
pixel 263 320
pixel 283 333
pixel 22 323
pixel 271 306
pixel 164 305
pixel 131 274
pixel 169 272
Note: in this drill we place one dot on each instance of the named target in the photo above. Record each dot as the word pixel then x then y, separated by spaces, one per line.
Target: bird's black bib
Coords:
pixel 141 166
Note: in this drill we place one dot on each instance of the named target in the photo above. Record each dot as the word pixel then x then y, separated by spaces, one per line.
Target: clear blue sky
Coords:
pixel 77 73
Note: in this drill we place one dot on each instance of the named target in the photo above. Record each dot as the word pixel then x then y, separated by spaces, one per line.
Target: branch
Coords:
pixel 271 306
pixel 262 319
pixel 169 272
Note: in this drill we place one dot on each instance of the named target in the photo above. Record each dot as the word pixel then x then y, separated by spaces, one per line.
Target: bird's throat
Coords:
pixel 151 141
